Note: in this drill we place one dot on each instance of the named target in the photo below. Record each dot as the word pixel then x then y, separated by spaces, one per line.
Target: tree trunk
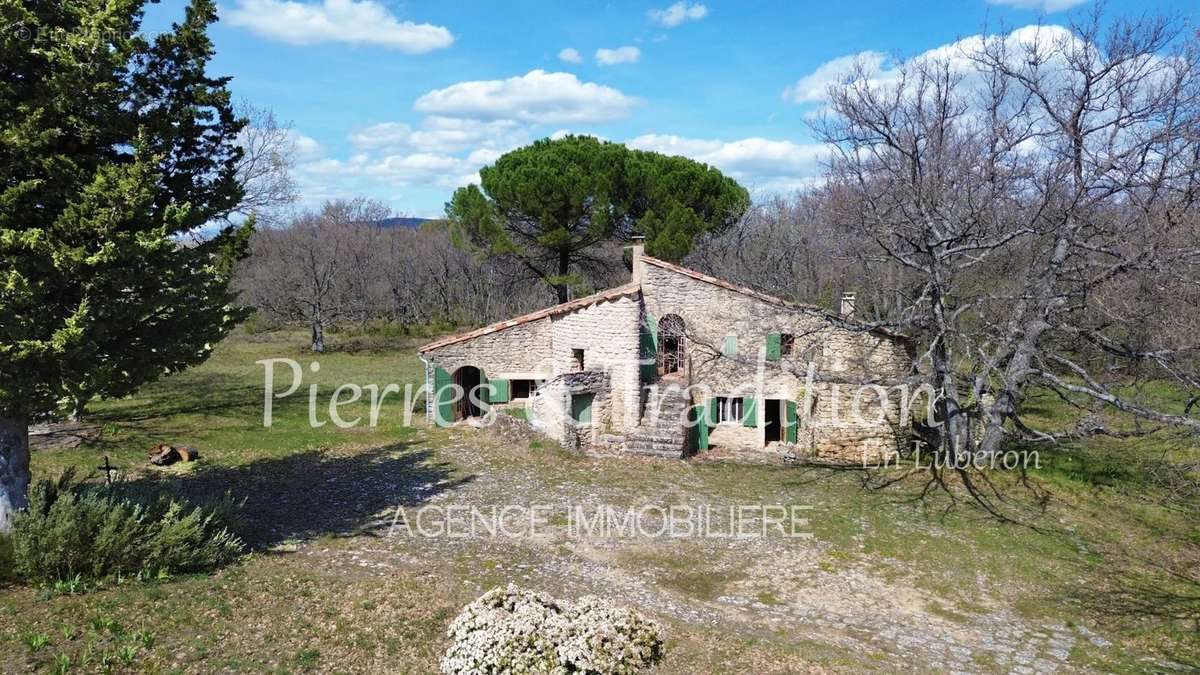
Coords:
pixel 564 267
pixel 78 407
pixel 318 337
pixel 14 468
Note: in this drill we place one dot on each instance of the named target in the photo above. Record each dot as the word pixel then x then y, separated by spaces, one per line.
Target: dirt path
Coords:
pixel 767 588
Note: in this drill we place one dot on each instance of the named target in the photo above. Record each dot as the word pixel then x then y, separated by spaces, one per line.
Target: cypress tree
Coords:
pixel 113 149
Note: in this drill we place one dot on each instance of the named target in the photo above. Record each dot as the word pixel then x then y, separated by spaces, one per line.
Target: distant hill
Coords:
pixel 409 223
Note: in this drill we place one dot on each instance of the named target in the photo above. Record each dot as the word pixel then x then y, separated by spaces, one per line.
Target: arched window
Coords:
pixel 671 344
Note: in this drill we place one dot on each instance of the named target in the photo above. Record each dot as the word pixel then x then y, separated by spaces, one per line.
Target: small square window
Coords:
pixel 729 409
pixel 787 343
pixel 577 358
pixel 523 388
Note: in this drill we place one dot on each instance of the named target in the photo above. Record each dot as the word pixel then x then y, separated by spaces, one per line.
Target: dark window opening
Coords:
pixel 787 343
pixel 730 409
pixel 577 357
pixel 522 388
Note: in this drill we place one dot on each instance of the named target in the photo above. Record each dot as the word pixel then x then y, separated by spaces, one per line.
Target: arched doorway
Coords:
pixel 671 344
pixel 469 378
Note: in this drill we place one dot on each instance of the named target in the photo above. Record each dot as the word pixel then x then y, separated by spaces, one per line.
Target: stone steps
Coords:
pixel 647 446
pixel 646 452
pixel 661 432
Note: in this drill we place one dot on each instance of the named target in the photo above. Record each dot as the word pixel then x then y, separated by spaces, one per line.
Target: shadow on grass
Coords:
pixel 318 493
pixel 191 394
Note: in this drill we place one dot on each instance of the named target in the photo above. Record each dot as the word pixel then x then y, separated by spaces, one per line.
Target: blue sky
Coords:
pixel 404 101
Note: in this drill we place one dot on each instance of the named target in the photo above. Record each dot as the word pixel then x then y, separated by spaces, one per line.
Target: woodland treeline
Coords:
pixel 338 268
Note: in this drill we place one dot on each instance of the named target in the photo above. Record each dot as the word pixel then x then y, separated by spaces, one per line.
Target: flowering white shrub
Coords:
pixel 512 630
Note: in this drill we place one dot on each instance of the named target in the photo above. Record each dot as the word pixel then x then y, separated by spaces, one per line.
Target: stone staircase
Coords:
pixel 661 432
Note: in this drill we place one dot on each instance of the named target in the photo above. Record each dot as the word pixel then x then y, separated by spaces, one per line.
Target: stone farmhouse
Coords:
pixel 677 362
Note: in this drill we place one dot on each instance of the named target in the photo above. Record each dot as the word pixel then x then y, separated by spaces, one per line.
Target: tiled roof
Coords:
pixel 569 306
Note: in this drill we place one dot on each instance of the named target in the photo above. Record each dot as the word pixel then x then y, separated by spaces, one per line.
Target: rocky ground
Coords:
pixel 779 588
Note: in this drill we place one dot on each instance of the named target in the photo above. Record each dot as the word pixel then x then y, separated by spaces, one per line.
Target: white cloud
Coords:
pixel 678 13
pixel 350 21
pixel 610 57
pixel 440 134
pixel 392 171
pixel 882 70
pixel 758 163
pixel 1047 6
pixel 814 87
pixel 306 147
pixel 570 55
pixel 538 97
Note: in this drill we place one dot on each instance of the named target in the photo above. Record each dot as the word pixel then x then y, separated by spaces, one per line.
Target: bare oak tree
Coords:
pixel 264 171
pixel 1021 191
pixel 313 269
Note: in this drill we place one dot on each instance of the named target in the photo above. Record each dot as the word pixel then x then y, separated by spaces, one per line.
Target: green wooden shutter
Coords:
pixel 443 403
pixel 793 422
pixel 485 392
pixel 773 348
pixel 712 416
pixel 581 408
pixel 500 391
pixel 730 346
pixel 649 348
pixel 748 418
pixel 700 430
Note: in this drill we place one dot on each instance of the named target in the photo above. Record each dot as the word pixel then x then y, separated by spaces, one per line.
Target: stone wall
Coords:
pixel 523 350
pixel 712 312
pixel 849 423
pixel 607 332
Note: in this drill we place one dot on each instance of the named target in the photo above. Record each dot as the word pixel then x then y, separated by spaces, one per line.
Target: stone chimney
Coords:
pixel 848 304
pixel 637 250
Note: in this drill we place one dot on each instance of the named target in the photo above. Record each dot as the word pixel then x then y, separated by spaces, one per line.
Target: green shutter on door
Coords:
pixel 792 422
pixel 773 347
pixel 748 418
pixel 499 392
pixel 649 350
pixel 443 398
pixel 485 392
pixel 700 417
pixel 581 408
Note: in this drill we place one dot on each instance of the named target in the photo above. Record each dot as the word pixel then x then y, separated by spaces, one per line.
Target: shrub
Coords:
pixel 94 533
pixel 6 560
pixel 511 630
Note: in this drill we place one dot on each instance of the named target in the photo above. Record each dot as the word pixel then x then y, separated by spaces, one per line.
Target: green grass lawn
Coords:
pixel 323 589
